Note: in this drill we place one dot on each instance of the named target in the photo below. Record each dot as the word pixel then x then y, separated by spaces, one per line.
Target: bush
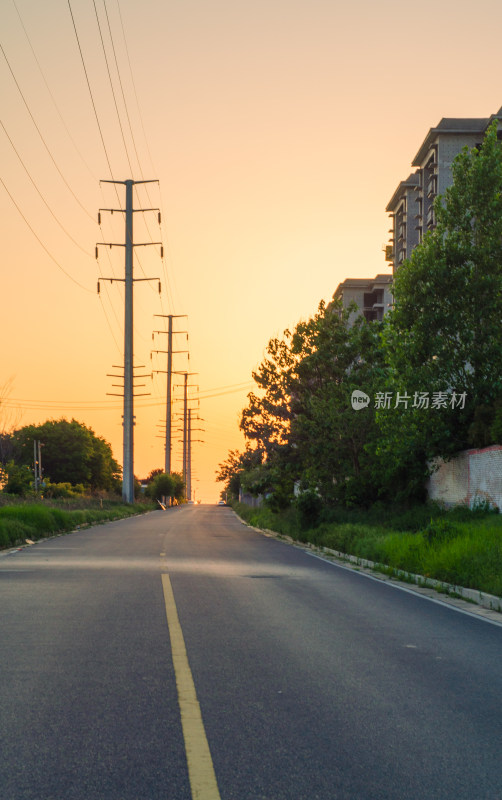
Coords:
pixel 19 479
pixel 167 486
pixel 460 546
pixel 439 531
pixel 58 490
pixel 309 506
pixel 161 486
pixel 13 531
pixel 34 521
pixel 39 519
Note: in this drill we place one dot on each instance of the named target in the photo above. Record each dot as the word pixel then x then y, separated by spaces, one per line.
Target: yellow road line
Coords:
pixel 200 764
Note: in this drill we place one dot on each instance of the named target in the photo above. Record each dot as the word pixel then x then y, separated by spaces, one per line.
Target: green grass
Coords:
pixel 21 521
pixel 460 546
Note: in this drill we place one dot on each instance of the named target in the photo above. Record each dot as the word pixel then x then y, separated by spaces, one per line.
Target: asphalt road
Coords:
pixel 182 655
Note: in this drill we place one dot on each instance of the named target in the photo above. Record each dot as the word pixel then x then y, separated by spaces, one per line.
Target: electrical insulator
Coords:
pixel 159 217
pixel 99 288
pixel 96 253
pixel 99 217
pixel 162 251
pixel 160 287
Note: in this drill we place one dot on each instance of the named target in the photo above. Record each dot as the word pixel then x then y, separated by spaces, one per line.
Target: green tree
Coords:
pixel 444 333
pixel 334 442
pixel 105 471
pixel 162 486
pixel 266 424
pixel 71 453
pixel 166 486
pixel 19 479
pixel 153 474
pixel 239 466
pixel 179 487
pixel 304 423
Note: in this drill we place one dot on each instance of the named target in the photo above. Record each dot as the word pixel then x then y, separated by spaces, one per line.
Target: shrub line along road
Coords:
pixel 183 655
pixel 468 601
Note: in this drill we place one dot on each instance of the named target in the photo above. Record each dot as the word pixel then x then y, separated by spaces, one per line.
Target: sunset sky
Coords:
pixel 278 132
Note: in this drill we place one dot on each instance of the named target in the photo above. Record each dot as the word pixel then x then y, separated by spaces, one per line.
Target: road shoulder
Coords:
pixel 468 601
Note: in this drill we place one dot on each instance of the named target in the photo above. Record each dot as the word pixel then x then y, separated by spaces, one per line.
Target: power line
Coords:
pixel 235 387
pixel 93 103
pixel 51 95
pixel 90 91
pixel 133 84
pixel 41 195
pixel 116 104
pixel 165 270
pixel 113 91
pixel 123 95
pixel 41 137
pixel 109 323
pixel 43 245
pixel 26 405
pixel 112 404
pixel 34 183
pixel 125 108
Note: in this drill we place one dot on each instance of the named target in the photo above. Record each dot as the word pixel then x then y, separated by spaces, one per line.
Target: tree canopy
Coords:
pixel 444 332
pixel 71 453
pixel 437 354
pixel 162 485
pixel 301 429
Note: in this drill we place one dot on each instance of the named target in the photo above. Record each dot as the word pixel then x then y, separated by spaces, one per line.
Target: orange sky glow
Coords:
pixel 278 132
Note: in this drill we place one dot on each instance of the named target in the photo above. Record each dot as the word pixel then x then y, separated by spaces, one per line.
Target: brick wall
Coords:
pixel 473 476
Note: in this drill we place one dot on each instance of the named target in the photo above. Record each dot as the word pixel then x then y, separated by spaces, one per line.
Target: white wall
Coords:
pixel 470 477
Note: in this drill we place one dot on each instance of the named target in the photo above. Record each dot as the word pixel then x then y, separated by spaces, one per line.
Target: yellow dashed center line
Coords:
pixel 200 764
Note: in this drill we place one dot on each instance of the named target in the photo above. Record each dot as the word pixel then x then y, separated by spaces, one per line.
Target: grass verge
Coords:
pixel 460 546
pixel 38 520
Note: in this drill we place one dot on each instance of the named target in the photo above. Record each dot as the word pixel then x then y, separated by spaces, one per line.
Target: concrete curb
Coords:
pixel 473 601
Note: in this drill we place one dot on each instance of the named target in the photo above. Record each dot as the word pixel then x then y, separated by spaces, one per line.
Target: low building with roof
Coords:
pixel 371 295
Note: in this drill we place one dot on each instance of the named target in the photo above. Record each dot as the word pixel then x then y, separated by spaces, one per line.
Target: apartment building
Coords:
pixel 403 208
pixel 372 296
pixel 411 207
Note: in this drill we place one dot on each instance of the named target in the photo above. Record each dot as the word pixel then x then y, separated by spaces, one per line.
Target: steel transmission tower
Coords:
pixel 128 280
pixel 190 441
pixel 185 386
pixel 169 352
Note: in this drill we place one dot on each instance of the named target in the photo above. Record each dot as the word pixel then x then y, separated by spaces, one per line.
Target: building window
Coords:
pixel 432 185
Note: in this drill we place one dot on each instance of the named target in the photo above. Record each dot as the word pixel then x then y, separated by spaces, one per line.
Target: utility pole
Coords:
pixel 189 454
pixel 185 435
pixel 37 463
pixel 128 280
pixel 185 430
pixel 169 353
